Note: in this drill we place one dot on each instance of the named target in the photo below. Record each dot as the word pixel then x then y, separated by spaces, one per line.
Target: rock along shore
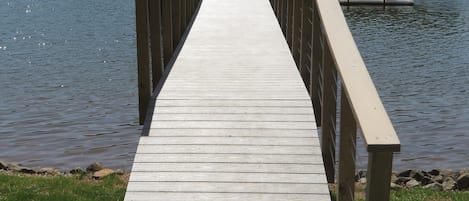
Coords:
pixel 97 170
pixel 439 180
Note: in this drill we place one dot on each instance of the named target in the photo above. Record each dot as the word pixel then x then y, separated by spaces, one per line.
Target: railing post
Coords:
pixel 167 29
pixel 188 11
pixel 348 138
pixel 154 10
pixel 379 176
pixel 143 58
pixel 183 15
pixel 296 41
pixel 176 22
pixel 329 109
pixel 317 54
pixel 283 21
pixel 289 23
pixel 306 38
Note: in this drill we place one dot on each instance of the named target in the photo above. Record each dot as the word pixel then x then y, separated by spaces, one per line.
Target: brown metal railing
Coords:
pixel 160 27
pixel 325 52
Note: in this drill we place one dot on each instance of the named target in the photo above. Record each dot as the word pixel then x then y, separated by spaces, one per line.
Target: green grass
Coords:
pixel 61 188
pixel 418 194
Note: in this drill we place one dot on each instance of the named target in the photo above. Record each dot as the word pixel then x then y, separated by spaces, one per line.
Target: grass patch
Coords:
pixel 414 194
pixel 420 194
pixel 58 188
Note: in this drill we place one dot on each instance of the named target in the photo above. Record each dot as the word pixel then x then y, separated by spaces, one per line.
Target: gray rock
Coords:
pixel 412 183
pixel 434 186
pixel 48 171
pixel 463 182
pixel 438 179
pixel 14 167
pixel 94 167
pixel 434 172
pixel 395 186
pixel 3 165
pixel 119 172
pixel 449 173
pixel 394 178
pixel 102 173
pixel 76 171
pixel 360 174
pixel 406 173
pixel 448 184
pixel 426 180
pixel 27 170
pixel 465 171
pixel 418 176
pixel 362 180
pixel 402 180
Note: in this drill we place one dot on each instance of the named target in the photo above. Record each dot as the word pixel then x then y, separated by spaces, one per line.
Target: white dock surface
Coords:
pixel 233 120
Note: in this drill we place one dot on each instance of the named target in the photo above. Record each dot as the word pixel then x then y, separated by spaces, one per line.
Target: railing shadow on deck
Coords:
pixel 161 26
pixel 325 52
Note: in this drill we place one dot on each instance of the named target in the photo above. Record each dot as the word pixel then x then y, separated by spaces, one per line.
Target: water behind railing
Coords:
pixel 68 92
pixel 418 58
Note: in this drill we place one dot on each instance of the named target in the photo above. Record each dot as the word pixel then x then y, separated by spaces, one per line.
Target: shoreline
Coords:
pixel 435 179
pixel 97 170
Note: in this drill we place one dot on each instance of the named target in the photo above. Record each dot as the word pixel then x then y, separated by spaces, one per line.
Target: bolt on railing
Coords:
pixel 160 25
pixel 325 52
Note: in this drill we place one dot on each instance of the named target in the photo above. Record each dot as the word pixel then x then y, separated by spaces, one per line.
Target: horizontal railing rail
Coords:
pixel 326 56
pixel 160 25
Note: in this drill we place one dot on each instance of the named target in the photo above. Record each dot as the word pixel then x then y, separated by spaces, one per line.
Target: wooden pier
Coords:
pixel 233 120
pixel 228 106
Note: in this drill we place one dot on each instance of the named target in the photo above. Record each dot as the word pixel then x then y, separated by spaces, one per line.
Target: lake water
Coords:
pixel 68 93
pixel 418 58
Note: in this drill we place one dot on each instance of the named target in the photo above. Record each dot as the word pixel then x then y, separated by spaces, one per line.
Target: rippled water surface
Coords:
pixel 68 92
pixel 68 82
pixel 419 60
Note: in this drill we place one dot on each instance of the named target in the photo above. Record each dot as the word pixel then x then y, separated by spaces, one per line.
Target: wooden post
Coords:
pixel 189 10
pixel 167 29
pixel 329 109
pixel 379 176
pixel 176 22
pixel 306 36
pixel 284 17
pixel 316 56
pixel 348 138
pixel 143 58
pixel 289 23
pixel 183 15
pixel 297 4
pixel 154 19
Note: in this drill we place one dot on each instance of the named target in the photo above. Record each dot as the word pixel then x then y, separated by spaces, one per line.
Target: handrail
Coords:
pixel 325 52
pixel 160 25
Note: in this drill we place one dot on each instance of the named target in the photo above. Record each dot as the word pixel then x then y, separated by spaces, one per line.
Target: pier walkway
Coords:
pixel 233 120
pixel 231 95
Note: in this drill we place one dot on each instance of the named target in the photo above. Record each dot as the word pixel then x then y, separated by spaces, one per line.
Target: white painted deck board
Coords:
pixel 257 133
pixel 242 177
pixel 225 149
pixel 174 196
pixel 233 121
pixel 229 187
pixel 229 158
pixel 265 141
pixel 235 117
pixel 219 167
